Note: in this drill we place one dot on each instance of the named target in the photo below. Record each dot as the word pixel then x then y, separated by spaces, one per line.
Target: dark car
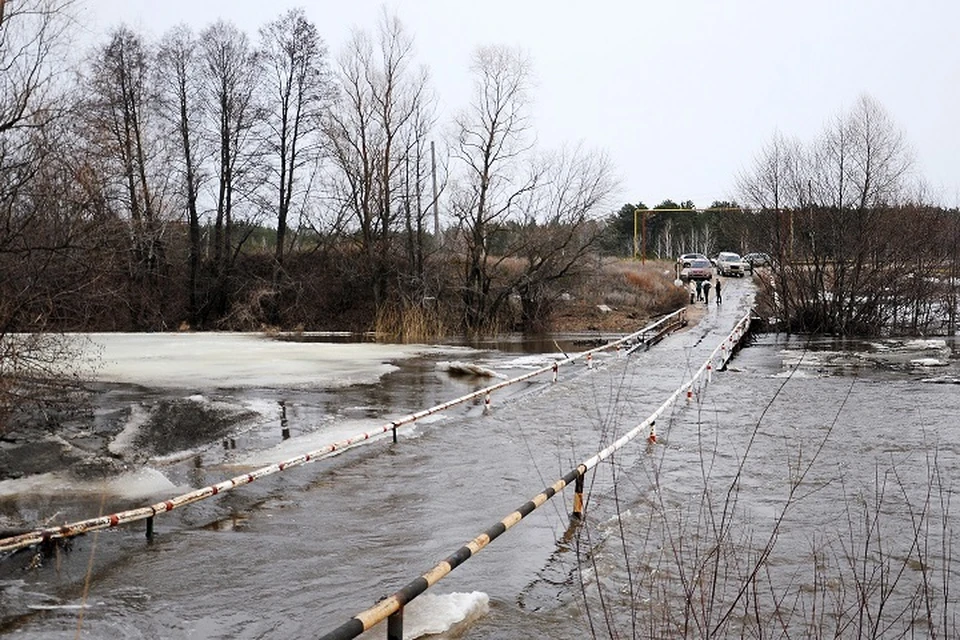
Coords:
pixel 757 259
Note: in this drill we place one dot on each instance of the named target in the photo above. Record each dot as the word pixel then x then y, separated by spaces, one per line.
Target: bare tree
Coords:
pixel 33 38
pixel 45 225
pixel 298 89
pixel 121 124
pixel 837 211
pixel 183 108
pixel 418 197
pixel 557 231
pixel 230 70
pixel 377 118
pixel 493 134
pixel 120 109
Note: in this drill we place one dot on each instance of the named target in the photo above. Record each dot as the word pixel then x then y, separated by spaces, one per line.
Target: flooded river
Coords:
pixel 805 489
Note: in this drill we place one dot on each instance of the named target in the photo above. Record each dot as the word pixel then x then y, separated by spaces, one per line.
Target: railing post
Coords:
pixel 578 498
pixel 395 625
pixel 150 529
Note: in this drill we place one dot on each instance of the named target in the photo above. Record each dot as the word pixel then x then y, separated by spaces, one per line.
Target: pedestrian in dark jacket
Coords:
pixel 719 298
pixel 706 291
pixel 699 290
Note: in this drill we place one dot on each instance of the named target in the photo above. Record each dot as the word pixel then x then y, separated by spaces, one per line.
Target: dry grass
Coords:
pixel 409 323
pixel 634 293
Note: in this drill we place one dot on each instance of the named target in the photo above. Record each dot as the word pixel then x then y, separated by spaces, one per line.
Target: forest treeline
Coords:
pixel 215 179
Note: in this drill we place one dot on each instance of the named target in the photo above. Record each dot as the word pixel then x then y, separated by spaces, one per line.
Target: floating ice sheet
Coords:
pixel 235 360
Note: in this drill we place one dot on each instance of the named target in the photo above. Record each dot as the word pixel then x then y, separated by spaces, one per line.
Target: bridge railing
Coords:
pixel 645 336
pixel 391 608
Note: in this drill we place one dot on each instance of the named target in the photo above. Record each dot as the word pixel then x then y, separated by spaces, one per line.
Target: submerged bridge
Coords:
pixel 43 540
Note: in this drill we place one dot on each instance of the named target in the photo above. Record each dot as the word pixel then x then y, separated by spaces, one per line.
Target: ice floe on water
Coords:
pixel 459 368
pixel 533 361
pixel 308 442
pixel 124 441
pixel 235 360
pixel 169 428
pixel 909 355
pixel 928 362
pixel 134 485
pixel 942 380
pixel 432 614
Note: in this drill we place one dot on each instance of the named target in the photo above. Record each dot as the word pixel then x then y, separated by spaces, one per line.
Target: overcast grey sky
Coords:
pixel 682 94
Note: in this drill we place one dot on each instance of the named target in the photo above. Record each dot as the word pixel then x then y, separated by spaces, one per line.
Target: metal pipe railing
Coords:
pixel 391 608
pixel 45 535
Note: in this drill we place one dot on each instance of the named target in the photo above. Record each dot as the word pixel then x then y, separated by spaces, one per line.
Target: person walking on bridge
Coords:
pixel 699 290
pixel 706 291
pixel 719 298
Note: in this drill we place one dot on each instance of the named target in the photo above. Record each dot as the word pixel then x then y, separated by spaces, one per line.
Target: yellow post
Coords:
pixel 643 255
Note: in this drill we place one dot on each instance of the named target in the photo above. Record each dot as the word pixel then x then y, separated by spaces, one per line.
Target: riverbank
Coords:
pixel 621 296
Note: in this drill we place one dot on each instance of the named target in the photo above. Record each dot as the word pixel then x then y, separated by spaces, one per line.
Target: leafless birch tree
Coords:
pixel 297 90
pixel 122 126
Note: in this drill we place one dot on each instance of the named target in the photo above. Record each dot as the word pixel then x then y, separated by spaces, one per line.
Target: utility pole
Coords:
pixel 433 173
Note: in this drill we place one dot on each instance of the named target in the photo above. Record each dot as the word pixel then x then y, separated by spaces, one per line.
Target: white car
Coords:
pixel 730 264
pixel 687 257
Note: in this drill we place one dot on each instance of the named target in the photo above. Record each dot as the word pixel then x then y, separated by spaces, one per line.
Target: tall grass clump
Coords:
pixel 407 322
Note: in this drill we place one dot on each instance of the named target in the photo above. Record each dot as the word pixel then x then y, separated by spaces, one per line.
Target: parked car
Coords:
pixel 757 259
pixel 730 264
pixel 685 259
pixel 696 269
